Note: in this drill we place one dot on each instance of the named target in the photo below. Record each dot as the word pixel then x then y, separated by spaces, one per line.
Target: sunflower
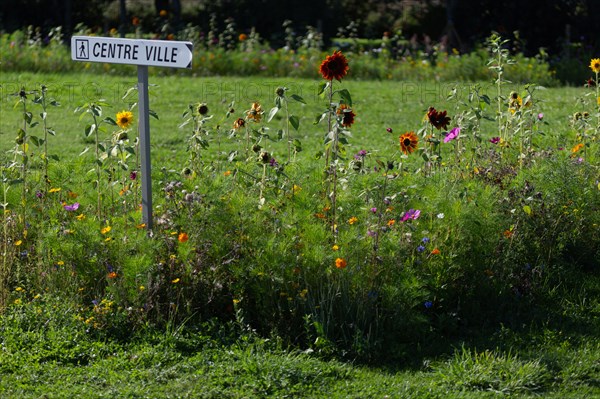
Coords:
pixel 124 119
pixel 347 115
pixel 239 123
pixel 334 66
pixel 595 65
pixel 438 119
pixel 255 112
pixel 408 142
pixel 203 109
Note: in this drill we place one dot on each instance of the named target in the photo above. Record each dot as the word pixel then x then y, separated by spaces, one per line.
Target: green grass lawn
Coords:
pixel 544 342
pixel 378 105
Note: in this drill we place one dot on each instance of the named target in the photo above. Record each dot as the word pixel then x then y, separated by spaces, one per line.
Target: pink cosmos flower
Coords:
pixel 411 214
pixel 71 208
pixel 453 134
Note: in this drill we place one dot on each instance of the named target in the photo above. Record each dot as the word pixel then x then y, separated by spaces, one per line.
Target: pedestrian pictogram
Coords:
pixel 82 49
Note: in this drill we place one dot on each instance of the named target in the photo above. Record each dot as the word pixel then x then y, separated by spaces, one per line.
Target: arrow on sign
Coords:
pixel 161 53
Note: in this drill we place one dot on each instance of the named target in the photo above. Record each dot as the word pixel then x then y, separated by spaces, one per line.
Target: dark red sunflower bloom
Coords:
pixel 347 115
pixel 439 120
pixel 334 66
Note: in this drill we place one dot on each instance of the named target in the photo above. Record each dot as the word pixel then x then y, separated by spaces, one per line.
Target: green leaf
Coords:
pixel 272 113
pixel 34 124
pixel 28 116
pixel 55 103
pixel 527 210
pixel 36 140
pixel 346 98
pixel 298 98
pixel 84 151
pixel 89 129
pixel 319 118
pixel 322 87
pixel 128 92
pixel 55 157
pixel 232 156
pixel 295 122
pixel 153 114
pixel 110 121
pixel 43 115
pixel 51 131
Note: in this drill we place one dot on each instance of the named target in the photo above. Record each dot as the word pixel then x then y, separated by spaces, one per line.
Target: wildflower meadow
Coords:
pixel 321 236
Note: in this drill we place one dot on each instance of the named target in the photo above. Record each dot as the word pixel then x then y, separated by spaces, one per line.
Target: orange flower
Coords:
pixel 111 275
pixel 435 251
pixel 408 142
pixel 242 37
pixel 334 66
pixel 352 220
pixel 239 123
pixel 135 21
pixel 577 148
pixel 347 115
pixel 508 233
pixel 226 173
pixel 163 13
pixel 319 215
pixel 255 112
pixel 391 222
pixel 183 237
pixel 340 263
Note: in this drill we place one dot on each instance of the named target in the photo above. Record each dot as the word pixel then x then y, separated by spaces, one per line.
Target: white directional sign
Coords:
pixel 161 53
pixel 143 53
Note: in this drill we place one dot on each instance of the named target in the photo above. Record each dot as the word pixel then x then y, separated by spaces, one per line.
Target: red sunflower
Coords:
pixel 347 115
pixel 408 142
pixel 438 119
pixel 334 66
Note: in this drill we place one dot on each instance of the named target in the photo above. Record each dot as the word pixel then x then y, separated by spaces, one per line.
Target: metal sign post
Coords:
pixel 143 53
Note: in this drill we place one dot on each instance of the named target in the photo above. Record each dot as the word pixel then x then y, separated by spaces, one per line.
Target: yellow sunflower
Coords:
pixel 595 65
pixel 124 119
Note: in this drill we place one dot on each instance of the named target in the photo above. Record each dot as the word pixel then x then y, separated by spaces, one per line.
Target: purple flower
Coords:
pixel 362 153
pixel 420 248
pixel 428 304
pixel 495 140
pixel 540 116
pixel 411 214
pixel 371 233
pixel 374 210
pixel 71 208
pixel 39 194
pixel 133 175
pixel 389 130
pixel 273 162
pixel 95 302
pixel 425 240
pixel 453 134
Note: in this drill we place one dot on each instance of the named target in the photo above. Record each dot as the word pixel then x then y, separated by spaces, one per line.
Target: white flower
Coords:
pixel 440 215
